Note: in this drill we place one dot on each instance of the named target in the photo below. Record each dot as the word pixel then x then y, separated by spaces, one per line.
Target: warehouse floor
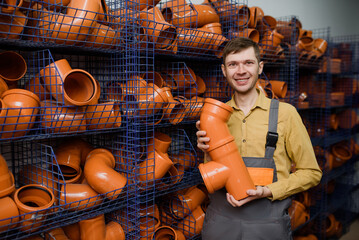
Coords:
pixel 353 233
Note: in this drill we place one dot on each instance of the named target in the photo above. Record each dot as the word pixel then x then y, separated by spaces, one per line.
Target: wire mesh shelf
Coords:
pixel 57 173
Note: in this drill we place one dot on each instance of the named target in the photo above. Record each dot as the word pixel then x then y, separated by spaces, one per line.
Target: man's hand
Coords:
pixel 260 192
pixel 202 140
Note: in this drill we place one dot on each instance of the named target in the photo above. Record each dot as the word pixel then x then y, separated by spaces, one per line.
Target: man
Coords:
pixel 269 135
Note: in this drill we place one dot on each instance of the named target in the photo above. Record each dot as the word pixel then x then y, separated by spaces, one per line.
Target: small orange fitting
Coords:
pixel 227 168
pixel 33 198
pixel 100 174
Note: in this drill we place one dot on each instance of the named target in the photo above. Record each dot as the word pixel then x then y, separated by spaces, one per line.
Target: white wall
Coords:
pixel 342 16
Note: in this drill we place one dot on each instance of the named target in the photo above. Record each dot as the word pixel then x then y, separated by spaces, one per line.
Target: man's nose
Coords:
pixel 241 69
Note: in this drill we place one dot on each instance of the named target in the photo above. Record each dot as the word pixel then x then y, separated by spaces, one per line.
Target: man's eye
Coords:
pixel 249 63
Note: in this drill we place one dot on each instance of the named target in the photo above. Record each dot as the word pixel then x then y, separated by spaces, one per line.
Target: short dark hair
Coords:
pixel 238 44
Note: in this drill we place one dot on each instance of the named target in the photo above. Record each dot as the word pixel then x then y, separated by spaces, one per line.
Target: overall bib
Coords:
pixel 258 219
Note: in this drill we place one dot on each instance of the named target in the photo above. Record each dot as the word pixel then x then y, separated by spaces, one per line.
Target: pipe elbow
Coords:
pixel 100 174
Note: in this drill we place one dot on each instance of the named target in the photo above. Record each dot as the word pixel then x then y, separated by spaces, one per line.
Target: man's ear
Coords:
pixel 260 69
pixel 224 70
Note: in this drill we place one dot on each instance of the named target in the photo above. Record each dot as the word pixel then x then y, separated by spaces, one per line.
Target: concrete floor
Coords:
pixel 353 233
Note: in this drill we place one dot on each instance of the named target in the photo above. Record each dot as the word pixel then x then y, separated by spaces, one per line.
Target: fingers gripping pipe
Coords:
pixel 227 168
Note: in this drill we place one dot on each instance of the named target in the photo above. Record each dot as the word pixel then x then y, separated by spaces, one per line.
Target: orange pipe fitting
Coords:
pixel 279 88
pixel 308 237
pixel 154 167
pixel 56 118
pixel 101 36
pixel 114 231
pixel 9 214
pixel 71 155
pixel 182 205
pixel 298 214
pixel 271 40
pixel 93 228
pixel 160 33
pixel 193 223
pixel 150 101
pixel 340 154
pixel 23 107
pixel 57 234
pixel 11 5
pixel 159 142
pixel 33 198
pixel 33 174
pixel 103 115
pixel 12 66
pixel 184 158
pixel 164 232
pixel 333 227
pixel 100 174
pixel 174 110
pixel 193 15
pixel 71 86
pixel 227 168
pixel 73 231
pixel 12 26
pixel 148 226
pixel 249 33
pixel 196 39
pixel 79 197
pixel 72 27
pixel 7 182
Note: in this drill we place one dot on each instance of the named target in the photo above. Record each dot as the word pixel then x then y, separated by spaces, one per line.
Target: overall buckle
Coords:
pixel 272 138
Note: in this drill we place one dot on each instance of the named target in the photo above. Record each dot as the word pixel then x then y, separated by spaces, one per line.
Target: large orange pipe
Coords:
pixel 101 175
pixel 227 168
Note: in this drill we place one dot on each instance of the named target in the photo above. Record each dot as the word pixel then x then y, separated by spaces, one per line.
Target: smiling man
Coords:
pixel 270 136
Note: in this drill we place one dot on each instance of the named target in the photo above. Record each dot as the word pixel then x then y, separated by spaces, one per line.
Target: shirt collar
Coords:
pixel 261 102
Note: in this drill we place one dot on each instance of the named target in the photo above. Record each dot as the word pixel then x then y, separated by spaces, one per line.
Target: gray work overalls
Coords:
pixel 259 219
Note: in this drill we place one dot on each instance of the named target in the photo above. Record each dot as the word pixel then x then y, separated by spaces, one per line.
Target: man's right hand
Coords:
pixel 202 140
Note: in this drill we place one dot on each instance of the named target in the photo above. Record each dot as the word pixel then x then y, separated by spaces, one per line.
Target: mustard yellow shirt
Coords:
pixel 294 145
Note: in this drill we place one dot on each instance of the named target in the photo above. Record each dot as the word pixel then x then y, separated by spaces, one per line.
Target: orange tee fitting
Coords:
pixel 227 168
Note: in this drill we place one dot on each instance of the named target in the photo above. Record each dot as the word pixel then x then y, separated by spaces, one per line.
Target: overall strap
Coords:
pixel 272 135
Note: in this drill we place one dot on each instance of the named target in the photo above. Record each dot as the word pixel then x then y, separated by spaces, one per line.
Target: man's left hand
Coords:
pixel 259 192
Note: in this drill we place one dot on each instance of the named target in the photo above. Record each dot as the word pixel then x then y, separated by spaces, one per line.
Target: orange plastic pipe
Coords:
pixel 95 229
pixel 100 174
pixel 227 168
pixel 80 17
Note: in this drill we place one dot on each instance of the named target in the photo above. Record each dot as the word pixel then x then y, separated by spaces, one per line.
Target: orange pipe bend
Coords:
pixel 100 174
pixel 227 168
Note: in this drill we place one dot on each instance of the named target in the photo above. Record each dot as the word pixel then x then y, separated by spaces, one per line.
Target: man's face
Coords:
pixel 241 70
